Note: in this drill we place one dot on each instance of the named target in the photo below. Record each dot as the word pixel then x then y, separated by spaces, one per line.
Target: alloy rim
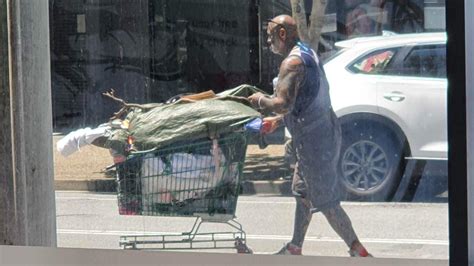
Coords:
pixel 364 166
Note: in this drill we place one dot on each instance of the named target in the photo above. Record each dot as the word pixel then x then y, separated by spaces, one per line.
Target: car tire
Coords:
pixel 371 164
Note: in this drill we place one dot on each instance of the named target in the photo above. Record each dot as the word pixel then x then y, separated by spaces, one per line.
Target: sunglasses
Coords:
pixel 274 22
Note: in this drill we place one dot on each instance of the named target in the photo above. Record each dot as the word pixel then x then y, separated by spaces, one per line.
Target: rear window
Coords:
pixel 424 61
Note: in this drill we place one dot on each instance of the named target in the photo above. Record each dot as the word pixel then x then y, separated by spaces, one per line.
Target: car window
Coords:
pixel 374 63
pixel 424 61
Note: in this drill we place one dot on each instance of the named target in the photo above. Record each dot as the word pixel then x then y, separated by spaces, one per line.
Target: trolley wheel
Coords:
pixel 242 247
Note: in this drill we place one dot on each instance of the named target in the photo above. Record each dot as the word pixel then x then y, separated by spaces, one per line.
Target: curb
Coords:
pixel 277 187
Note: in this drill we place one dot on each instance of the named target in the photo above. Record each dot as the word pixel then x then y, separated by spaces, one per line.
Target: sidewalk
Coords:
pixel 85 170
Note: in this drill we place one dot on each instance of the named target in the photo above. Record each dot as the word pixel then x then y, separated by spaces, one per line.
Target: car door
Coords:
pixel 412 92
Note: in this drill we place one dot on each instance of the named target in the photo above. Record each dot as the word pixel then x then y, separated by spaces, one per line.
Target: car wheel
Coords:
pixel 371 165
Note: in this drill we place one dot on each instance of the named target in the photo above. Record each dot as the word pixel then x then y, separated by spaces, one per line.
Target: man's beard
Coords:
pixel 273 47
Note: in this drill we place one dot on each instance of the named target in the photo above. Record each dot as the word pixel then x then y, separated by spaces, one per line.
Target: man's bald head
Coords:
pixel 287 21
pixel 282 33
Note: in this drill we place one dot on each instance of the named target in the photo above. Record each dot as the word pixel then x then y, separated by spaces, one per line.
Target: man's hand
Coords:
pixel 270 124
pixel 256 100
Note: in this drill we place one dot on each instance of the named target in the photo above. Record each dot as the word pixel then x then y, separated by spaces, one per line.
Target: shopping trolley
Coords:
pixel 198 178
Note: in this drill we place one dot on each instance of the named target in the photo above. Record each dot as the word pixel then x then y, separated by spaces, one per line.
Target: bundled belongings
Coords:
pixel 188 154
pixel 181 156
pixel 182 175
pixel 73 141
pixel 153 126
pixel 190 177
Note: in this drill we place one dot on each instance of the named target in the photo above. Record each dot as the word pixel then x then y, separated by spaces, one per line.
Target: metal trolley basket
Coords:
pixel 199 178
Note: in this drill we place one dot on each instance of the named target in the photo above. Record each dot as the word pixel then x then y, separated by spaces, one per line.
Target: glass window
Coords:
pixel 424 61
pixel 374 63
pixel 151 51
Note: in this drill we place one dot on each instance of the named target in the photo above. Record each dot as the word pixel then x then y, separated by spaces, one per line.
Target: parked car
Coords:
pixel 389 93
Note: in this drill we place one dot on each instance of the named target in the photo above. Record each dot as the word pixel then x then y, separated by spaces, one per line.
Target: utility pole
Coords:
pixel 27 202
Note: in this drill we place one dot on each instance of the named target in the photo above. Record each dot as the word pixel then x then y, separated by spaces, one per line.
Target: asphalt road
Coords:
pixel 389 230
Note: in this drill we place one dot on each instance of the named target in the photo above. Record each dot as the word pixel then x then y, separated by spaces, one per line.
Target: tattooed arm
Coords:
pixel 290 77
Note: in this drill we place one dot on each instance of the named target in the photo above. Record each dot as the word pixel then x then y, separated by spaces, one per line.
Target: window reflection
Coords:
pixel 150 51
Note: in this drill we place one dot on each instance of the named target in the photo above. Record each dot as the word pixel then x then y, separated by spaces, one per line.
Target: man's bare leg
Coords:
pixel 341 223
pixel 302 219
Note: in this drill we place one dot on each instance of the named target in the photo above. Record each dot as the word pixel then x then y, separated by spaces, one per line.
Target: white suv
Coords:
pixel 389 93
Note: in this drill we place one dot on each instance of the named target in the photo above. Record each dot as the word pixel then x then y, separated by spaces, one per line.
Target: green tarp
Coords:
pixel 161 125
